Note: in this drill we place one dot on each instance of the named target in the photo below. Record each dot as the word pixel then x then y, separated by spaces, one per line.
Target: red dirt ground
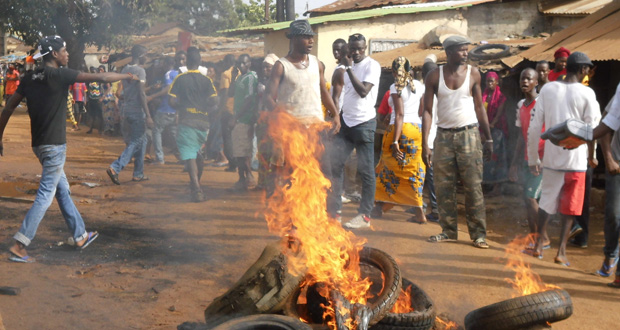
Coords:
pixel 160 260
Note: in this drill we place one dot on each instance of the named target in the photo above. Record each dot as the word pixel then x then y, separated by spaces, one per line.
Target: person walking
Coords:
pixel 358 126
pixel 193 95
pixel 46 90
pixel 564 174
pixel 458 147
pixel 136 116
pixel 401 171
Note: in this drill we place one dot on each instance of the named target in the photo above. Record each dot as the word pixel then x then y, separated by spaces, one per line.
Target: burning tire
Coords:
pixel 263 289
pixel 264 322
pixel 480 53
pixel 421 318
pixel 522 312
pixel 387 293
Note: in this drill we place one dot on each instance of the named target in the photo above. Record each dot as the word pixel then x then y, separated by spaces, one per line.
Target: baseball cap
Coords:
pixel 271 59
pixel 579 58
pixel 48 44
pixel 455 40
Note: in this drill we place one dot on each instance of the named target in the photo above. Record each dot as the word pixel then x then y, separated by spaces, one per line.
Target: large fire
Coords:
pixel 330 254
pixel 526 281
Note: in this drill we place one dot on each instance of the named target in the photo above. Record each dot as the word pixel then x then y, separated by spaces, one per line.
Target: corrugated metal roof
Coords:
pixel 572 8
pixel 361 14
pixel 342 6
pixel 596 35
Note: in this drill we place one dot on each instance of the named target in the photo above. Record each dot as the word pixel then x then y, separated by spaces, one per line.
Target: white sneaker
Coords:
pixel 345 200
pixel 360 221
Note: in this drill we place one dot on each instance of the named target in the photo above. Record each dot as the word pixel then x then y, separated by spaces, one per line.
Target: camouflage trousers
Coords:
pixel 459 154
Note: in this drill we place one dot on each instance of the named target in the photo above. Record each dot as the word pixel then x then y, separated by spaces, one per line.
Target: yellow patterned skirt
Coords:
pixel 401 182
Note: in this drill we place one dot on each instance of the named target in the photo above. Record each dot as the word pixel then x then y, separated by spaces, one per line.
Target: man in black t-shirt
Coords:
pixel 194 96
pixel 46 89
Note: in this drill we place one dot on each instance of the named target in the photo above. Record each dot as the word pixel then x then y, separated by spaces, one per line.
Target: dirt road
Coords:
pixel 160 260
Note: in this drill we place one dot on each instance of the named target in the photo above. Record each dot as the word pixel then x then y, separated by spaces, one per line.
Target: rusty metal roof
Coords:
pixel 596 35
pixel 342 6
pixel 571 7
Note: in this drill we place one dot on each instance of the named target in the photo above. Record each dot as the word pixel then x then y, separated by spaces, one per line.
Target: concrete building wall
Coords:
pixel 276 42
pixel 499 19
pixel 404 27
pixel 559 23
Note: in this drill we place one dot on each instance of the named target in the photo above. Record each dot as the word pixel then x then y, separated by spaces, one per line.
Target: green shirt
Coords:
pixel 246 86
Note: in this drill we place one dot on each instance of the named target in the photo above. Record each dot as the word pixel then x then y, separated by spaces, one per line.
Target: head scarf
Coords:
pixel 402 67
pixel 497 97
pixel 561 52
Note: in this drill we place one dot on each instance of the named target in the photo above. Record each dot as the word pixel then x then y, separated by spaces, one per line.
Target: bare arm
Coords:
pixel 431 82
pixel 481 114
pixel 327 101
pixel 145 105
pixel 103 77
pixel 399 115
pixel 8 110
pixel 272 87
pixel 337 85
pixel 610 163
pixel 499 114
pixel 361 87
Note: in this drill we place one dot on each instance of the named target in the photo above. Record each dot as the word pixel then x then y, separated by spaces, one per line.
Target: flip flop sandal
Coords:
pixel 605 270
pixel 91 237
pixel 113 176
pixel 615 284
pixel 439 238
pixel 143 178
pixel 25 259
pixel 560 262
pixel 481 243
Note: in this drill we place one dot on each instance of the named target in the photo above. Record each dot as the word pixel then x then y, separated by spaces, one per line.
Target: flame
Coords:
pixel 329 254
pixel 446 325
pixel 403 303
pixel 525 281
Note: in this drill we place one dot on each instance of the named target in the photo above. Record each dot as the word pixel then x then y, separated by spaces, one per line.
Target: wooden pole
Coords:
pixel 267 12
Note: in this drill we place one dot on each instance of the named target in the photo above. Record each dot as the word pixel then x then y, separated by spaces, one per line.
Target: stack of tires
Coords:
pixel 242 308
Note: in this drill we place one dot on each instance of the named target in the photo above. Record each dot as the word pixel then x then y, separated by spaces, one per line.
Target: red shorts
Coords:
pixel 563 192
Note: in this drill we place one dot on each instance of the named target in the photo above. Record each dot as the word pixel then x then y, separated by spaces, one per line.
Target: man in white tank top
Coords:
pixel 298 84
pixel 458 147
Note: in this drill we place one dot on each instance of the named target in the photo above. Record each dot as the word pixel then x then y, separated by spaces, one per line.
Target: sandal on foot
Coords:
pixel 417 220
pixel 440 238
pixel 25 259
pixel 606 269
pixel 113 176
pixel 481 243
pixel 142 178
pixel 91 237
pixel 560 262
pixel 615 284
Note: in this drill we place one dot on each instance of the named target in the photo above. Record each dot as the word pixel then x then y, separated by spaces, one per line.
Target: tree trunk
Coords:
pixel 75 46
pixel 280 11
pixel 290 10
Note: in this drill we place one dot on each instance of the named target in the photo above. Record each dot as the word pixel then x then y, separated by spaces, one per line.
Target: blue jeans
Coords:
pixel 53 183
pixel 612 216
pixel 136 145
pixel 362 138
pixel 162 121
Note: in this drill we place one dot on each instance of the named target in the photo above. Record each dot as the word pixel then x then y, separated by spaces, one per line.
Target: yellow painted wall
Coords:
pixel 406 27
pixel 276 42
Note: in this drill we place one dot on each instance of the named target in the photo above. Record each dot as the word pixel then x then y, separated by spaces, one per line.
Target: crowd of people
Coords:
pixel 448 128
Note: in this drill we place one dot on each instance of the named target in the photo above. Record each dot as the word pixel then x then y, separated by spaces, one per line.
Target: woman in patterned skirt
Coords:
pixel 400 172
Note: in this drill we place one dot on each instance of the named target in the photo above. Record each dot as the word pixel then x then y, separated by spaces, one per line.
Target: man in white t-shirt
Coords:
pixel 564 176
pixel 358 125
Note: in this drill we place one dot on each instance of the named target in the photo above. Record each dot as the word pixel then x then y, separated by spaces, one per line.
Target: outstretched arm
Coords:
pixel 8 110
pixel 104 77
